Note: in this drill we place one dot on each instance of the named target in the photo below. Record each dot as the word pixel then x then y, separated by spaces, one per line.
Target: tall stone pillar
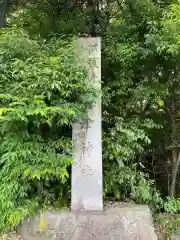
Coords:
pixel 87 192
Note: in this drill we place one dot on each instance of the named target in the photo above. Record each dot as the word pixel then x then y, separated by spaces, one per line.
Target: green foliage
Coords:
pixel 44 90
pixel 166 225
pixel 141 86
pixel 48 17
pixel 128 83
pixel 124 176
pixel 172 205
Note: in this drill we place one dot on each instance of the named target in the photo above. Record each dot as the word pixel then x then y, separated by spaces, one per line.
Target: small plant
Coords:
pixel 166 225
pixel 172 205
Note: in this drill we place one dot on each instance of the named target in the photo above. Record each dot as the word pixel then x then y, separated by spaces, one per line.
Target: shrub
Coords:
pixel 43 90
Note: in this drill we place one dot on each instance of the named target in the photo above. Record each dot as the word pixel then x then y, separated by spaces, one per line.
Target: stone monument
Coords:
pixel 87 170
pixel 87 219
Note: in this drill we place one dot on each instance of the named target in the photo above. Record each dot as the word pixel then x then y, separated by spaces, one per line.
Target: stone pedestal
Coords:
pixel 115 223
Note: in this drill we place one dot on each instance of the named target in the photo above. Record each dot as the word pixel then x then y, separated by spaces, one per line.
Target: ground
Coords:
pixel 11 236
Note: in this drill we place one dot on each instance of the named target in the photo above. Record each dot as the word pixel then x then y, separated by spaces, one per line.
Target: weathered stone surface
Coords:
pixel 176 236
pixel 86 187
pixel 115 223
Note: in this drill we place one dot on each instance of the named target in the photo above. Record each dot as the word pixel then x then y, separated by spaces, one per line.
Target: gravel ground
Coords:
pixel 11 236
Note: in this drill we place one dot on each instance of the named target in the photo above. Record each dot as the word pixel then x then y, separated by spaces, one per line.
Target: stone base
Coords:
pixel 175 237
pixel 115 223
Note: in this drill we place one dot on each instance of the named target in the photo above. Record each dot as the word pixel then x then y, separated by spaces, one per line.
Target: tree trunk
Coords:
pixel 175 169
pixel 3 11
pixel 175 152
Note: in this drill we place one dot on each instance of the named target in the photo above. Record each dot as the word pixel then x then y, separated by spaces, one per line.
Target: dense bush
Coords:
pixel 43 90
pixel 141 102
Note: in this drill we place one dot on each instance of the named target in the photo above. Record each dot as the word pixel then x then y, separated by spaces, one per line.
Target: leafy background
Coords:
pixel 44 90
